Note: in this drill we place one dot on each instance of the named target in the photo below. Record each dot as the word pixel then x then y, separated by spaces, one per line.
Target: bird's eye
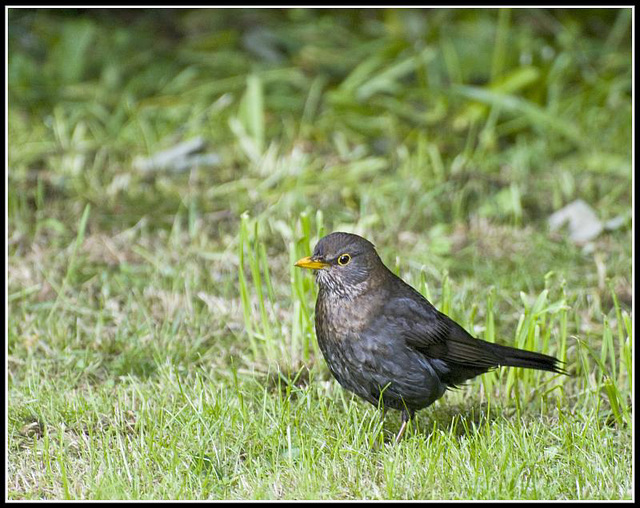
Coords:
pixel 344 259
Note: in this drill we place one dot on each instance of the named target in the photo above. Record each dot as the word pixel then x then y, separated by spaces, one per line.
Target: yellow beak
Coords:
pixel 310 263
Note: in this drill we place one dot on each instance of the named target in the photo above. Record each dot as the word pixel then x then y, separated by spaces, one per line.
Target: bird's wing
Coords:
pixel 437 336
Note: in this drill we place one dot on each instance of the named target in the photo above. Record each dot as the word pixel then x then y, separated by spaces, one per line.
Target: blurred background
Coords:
pixel 167 166
pixel 446 136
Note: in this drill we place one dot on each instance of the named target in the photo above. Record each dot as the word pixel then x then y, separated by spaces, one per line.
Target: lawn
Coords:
pixel 160 342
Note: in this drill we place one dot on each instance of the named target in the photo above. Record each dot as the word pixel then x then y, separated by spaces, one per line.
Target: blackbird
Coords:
pixel 386 342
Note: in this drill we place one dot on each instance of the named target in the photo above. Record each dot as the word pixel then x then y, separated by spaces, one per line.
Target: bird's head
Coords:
pixel 345 264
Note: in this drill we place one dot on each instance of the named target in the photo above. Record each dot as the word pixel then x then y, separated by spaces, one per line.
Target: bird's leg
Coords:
pixel 406 416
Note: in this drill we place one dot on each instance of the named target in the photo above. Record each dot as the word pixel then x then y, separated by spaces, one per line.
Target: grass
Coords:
pixel 161 343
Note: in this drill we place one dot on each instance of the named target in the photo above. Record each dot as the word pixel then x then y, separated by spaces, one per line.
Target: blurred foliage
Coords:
pixel 381 117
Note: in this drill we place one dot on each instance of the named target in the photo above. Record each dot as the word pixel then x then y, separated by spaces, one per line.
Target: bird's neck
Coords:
pixel 335 289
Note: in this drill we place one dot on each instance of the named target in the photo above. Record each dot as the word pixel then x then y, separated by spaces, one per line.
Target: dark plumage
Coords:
pixel 384 341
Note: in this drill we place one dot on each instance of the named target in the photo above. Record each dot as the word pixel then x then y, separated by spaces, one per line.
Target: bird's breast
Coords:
pixel 344 337
pixel 341 319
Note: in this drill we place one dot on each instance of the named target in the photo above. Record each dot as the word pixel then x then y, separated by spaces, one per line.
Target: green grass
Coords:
pixel 161 343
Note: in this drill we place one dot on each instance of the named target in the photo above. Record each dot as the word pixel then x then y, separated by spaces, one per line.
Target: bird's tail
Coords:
pixel 513 357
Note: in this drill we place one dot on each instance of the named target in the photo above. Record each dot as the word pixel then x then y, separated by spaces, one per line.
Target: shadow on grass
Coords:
pixel 455 420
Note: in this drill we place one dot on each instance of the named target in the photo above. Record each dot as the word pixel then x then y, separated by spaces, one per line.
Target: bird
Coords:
pixel 385 342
